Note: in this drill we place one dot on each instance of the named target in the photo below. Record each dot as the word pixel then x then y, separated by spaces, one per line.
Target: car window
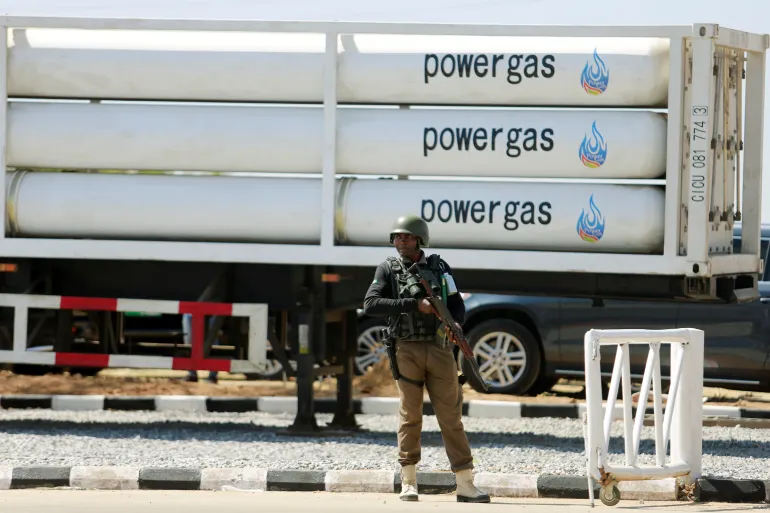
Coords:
pixel 764 245
pixel 763 249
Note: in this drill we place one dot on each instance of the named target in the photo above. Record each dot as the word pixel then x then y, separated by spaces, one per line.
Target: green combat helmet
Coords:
pixel 413 225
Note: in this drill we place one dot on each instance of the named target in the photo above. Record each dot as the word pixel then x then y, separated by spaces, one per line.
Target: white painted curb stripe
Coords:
pixel 731 412
pixel 77 402
pixel 659 490
pixel 374 481
pixel 277 404
pixel 506 485
pixel 379 405
pixel 494 409
pixel 5 477
pixel 252 479
pixel 194 403
pixel 105 478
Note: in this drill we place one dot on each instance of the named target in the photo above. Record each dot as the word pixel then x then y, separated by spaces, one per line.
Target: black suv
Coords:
pixel 526 343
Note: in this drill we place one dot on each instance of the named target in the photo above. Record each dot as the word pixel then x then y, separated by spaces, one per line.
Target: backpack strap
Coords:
pixel 395 267
pixel 436 264
pixel 395 264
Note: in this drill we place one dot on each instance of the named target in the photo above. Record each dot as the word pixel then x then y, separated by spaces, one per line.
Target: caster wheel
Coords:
pixel 609 495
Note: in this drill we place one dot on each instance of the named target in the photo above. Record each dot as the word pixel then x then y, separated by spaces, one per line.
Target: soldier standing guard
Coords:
pixel 423 356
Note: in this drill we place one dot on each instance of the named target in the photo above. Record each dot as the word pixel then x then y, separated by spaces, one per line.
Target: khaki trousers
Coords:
pixel 436 367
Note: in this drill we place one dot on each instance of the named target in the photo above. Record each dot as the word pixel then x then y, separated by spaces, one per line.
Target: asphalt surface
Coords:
pixel 146 501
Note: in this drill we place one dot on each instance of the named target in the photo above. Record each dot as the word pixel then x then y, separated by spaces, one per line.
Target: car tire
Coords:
pixel 369 348
pixel 273 372
pixel 497 334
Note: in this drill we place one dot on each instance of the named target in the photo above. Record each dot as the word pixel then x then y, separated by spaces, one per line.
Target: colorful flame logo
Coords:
pixel 593 150
pixel 590 226
pixel 595 76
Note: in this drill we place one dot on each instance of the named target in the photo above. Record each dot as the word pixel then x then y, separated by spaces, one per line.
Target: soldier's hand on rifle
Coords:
pixel 425 307
pixel 451 334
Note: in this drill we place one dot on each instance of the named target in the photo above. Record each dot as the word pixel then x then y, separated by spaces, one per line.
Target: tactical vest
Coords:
pixel 414 325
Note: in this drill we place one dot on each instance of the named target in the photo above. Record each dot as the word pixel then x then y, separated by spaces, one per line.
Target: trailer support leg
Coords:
pixel 304 421
pixel 344 416
pixel 343 423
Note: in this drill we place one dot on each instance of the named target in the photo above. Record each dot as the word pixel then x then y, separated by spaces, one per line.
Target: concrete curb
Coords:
pixel 364 481
pixel 366 405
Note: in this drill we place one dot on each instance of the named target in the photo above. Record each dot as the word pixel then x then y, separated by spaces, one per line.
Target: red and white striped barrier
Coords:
pixel 256 313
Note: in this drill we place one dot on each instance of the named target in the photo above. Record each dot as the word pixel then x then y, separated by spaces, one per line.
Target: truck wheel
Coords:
pixel 508 356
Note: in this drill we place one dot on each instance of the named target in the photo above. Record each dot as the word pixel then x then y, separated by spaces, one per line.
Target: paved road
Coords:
pixel 97 501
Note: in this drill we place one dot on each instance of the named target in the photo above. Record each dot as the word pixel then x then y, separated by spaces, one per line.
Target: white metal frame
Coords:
pixel 257 314
pixel 681 422
pixel 696 263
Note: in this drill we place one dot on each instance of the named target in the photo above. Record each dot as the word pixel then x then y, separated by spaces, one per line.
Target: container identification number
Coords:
pixel 699 147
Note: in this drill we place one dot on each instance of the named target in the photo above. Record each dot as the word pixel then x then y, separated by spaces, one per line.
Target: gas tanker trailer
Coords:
pixel 252 170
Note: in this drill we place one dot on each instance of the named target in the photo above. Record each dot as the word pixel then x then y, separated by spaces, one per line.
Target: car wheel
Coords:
pixel 370 348
pixel 273 371
pixel 507 354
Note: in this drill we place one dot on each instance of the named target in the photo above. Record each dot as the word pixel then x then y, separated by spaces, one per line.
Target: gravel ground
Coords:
pixel 141 439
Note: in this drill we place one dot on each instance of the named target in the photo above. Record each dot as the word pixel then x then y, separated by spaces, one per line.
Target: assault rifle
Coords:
pixel 445 316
